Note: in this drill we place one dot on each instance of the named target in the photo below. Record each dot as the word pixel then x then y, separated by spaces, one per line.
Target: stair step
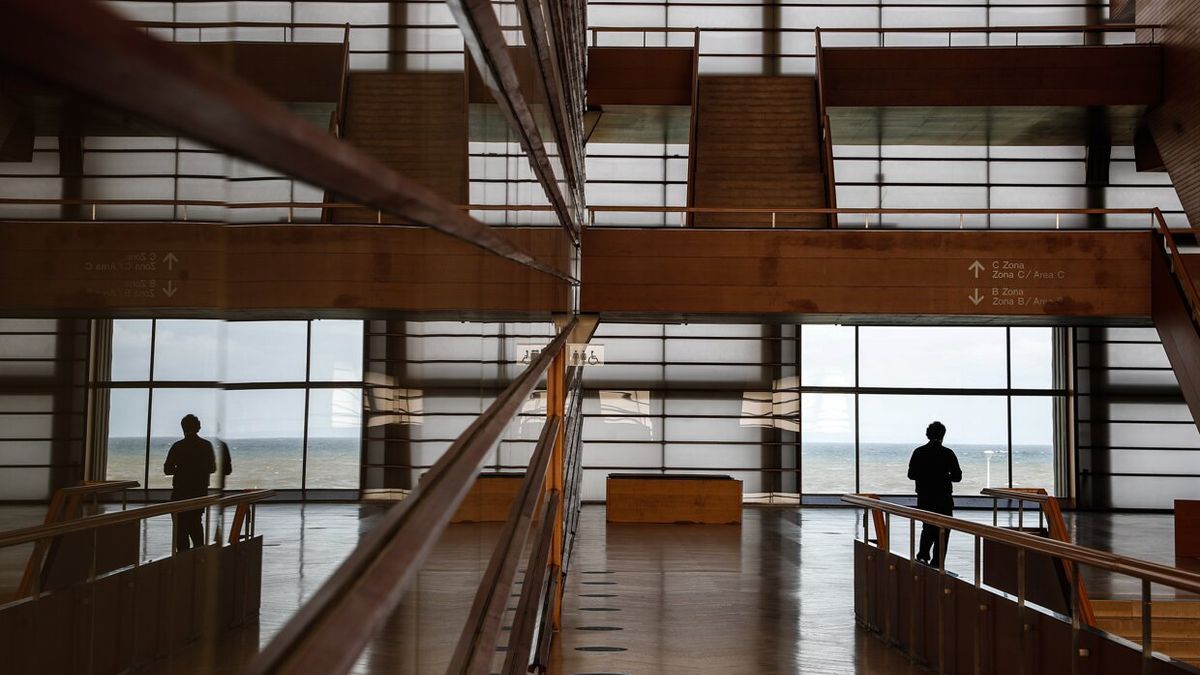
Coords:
pixel 1168 627
pixel 1189 609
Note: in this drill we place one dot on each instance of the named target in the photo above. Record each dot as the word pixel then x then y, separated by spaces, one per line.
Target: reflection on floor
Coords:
pixel 770 596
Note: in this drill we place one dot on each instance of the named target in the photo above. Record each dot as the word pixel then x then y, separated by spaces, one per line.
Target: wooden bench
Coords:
pixel 490 498
pixel 679 498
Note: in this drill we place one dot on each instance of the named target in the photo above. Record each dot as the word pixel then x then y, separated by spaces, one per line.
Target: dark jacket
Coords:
pixel 934 467
pixel 189 463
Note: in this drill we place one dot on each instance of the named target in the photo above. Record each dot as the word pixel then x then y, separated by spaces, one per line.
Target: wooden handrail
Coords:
pixel 605 209
pixel 328 633
pixel 1021 494
pixel 27 535
pixel 1178 268
pixel 1141 569
pixel 477 643
pixel 99 488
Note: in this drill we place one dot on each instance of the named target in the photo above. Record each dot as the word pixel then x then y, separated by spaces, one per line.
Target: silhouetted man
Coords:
pixel 934 467
pixel 190 462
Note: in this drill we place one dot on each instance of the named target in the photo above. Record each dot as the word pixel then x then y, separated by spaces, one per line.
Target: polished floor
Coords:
pixel 773 595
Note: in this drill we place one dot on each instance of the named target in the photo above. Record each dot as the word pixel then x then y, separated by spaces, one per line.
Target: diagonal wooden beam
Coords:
pixel 86 48
pixel 485 41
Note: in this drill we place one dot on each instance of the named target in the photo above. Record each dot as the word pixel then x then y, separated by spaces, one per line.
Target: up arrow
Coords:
pixel 976 268
pixel 170 259
pixel 976 298
pixel 169 290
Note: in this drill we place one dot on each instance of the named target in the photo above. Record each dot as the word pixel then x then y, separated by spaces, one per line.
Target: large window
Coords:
pixel 823 409
pixel 285 397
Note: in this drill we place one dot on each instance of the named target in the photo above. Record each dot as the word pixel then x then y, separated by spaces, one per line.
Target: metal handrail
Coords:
pixel 593 211
pixel 856 210
pixel 329 632
pixel 28 535
pixel 603 209
pixel 1060 28
pixel 1141 569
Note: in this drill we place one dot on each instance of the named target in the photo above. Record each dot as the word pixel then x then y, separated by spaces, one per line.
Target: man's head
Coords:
pixel 190 424
pixel 936 431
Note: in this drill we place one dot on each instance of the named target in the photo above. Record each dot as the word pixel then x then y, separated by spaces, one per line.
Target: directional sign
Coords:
pixel 976 267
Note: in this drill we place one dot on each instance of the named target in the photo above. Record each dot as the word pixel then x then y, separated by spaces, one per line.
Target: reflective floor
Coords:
pixel 771 596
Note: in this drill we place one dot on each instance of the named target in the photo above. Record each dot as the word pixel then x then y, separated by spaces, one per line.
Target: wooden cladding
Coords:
pixel 108 269
pixel 1175 124
pixel 993 76
pixel 884 273
pixel 293 72
pixel 640 75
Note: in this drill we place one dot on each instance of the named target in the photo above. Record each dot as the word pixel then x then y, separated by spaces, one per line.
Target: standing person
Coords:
pixel 934 467
pixel 189 463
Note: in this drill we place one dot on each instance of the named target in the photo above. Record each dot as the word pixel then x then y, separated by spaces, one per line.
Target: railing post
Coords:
pixel 1022 643
pixel 1075 624
pixel 977 657
pixel 556 407
pixel 1147 641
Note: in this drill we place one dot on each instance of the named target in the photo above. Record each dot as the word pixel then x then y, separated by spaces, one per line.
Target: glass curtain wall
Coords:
pixel 823 409
pixel 284 396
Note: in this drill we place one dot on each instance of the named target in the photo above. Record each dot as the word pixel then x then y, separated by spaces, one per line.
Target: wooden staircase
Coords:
pixel 757 146
pixel 415 123
pixel 1175 307
pixel 1174 627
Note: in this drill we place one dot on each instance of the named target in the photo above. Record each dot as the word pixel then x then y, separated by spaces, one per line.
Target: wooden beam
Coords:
pixel 885 273
pixel 640 76
pixel 208 269
pixel 992 76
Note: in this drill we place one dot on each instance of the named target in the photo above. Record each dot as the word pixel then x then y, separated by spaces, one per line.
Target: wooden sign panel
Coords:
pixel 111 269
pixel 884 273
